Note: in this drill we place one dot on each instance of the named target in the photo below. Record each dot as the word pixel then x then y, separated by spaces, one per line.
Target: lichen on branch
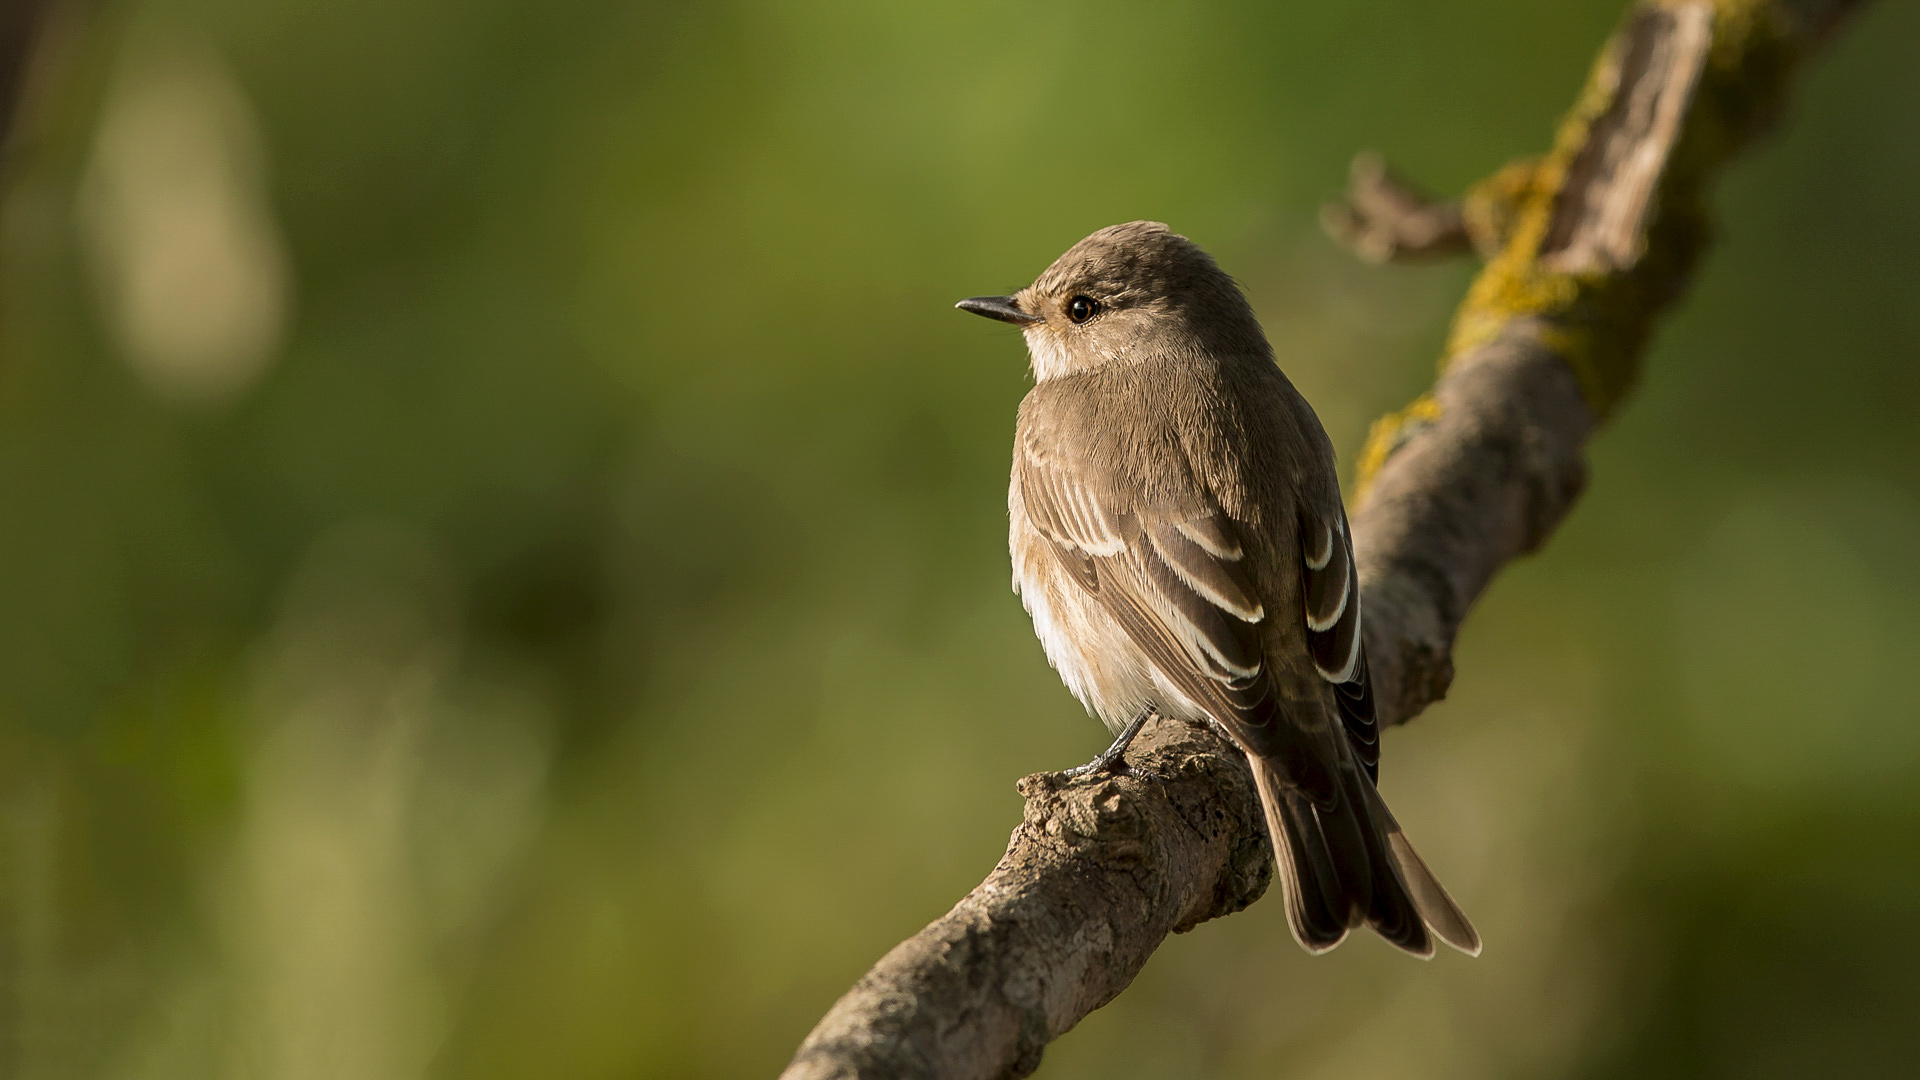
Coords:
pixel 1595 239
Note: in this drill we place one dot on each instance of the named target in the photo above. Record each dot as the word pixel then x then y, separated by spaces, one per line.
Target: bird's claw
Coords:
pixel 1111 765
pixel 1113 759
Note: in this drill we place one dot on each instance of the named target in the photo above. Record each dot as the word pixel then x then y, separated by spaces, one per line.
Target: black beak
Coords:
pixel 999 307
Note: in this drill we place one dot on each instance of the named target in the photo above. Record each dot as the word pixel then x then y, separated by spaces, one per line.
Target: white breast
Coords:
pixel 1094 656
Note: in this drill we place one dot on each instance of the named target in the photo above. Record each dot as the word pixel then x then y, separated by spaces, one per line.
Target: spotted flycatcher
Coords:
pixel 1179 539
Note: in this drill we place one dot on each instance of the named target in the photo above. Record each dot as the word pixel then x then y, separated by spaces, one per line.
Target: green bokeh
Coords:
pixel 587 645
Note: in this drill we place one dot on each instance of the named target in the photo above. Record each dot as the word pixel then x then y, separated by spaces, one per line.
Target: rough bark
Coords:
pixel 1098 872
pixel 1588 245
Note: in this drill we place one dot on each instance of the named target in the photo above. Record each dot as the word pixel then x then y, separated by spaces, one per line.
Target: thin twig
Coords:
pixel 1384 218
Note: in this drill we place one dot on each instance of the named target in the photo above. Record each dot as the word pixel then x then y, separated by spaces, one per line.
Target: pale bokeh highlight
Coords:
pixel 192 268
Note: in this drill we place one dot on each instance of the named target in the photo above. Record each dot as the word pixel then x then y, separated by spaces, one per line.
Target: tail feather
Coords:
pixel 1430 897
pixel 1348 864
pixel 1317 911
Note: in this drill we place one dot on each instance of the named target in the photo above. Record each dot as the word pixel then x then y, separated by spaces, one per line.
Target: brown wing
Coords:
pixel 1175 578
pixel 1332 601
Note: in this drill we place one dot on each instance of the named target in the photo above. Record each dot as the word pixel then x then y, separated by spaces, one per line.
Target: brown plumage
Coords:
pixel 1179 539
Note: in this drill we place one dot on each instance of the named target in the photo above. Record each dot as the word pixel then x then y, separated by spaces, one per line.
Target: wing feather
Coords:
pixel 1332 602
pixel 1328 585
pixel 1176 582
pixel 1063 509
pixel 1221 641
pixel 1213 536
pixel 1220 579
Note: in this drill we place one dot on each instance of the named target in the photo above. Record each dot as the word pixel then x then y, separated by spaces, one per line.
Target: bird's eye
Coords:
pixel 1082 308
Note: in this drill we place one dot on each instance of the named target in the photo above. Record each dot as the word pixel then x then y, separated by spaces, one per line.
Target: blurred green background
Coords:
pixel 502 540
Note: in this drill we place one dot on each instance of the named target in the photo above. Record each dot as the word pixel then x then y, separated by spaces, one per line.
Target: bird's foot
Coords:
pixel 1113 759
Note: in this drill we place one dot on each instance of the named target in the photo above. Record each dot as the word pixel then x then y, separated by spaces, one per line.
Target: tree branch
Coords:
pixel 1387 219
pixel 1591 243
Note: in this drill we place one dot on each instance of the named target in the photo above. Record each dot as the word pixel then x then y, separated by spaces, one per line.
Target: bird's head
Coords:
pixel 1126 293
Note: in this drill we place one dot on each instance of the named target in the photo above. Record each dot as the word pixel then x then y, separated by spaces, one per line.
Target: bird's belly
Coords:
pixel 1110 675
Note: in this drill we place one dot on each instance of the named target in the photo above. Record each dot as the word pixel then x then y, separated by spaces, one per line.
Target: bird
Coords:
pixel 1179 538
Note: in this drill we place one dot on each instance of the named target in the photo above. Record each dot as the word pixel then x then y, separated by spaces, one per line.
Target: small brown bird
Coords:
pixel 1179 539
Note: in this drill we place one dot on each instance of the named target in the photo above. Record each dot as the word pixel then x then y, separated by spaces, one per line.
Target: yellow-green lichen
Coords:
pixel 1388 434
pixel 1490 206
pixel 1598 319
